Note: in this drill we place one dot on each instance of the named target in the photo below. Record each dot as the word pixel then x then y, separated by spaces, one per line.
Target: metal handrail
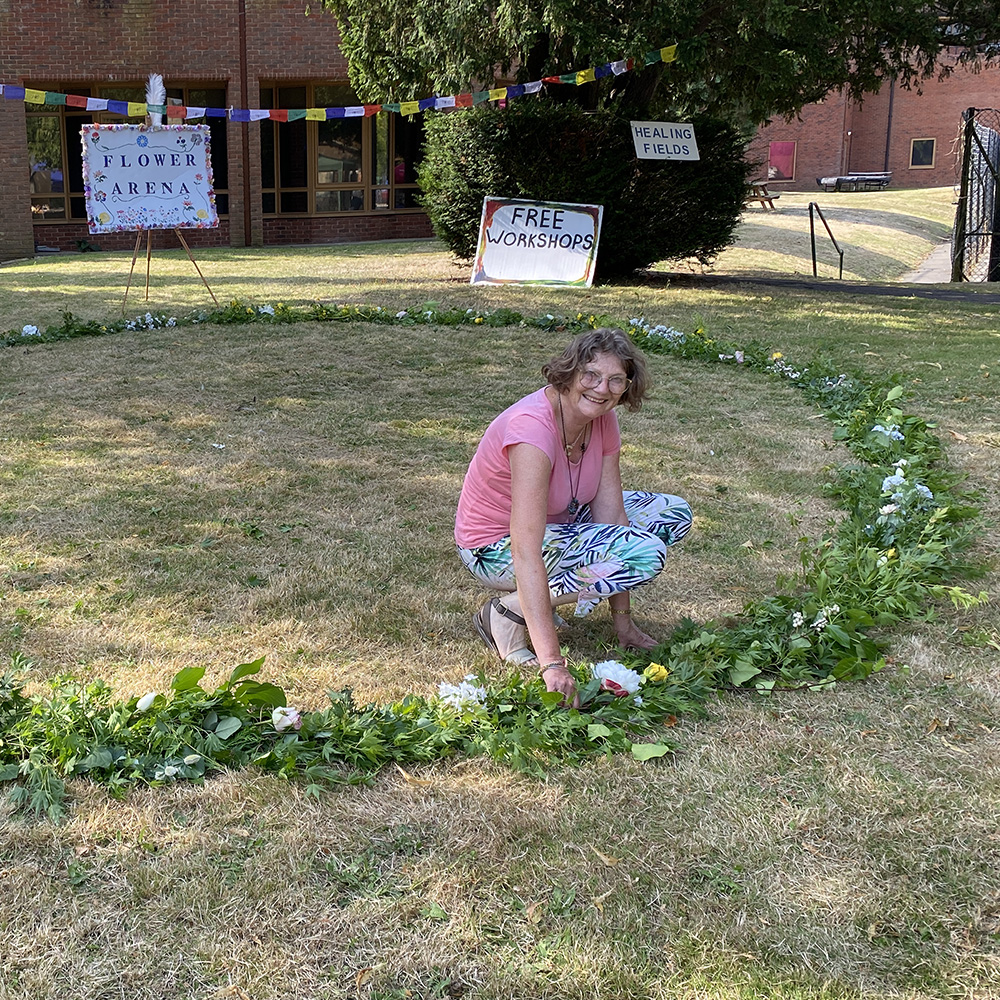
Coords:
pixel 812 238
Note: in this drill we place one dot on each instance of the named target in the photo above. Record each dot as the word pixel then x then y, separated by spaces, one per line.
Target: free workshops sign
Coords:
pixel 148 177
pixel 664 141
pixel 536 243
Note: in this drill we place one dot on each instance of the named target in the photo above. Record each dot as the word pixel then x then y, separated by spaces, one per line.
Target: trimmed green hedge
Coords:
pixel 653 210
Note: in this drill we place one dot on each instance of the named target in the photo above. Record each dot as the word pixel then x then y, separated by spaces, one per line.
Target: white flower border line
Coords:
pixel 895 553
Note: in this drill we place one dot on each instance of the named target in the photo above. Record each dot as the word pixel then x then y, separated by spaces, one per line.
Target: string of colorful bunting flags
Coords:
pixel 136 109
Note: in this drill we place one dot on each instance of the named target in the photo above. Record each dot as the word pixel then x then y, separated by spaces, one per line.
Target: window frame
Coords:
pixel 924 166
pixel 794 143
pixel 370 185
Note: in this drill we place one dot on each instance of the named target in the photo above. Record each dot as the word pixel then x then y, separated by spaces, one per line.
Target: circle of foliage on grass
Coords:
pixel 907 524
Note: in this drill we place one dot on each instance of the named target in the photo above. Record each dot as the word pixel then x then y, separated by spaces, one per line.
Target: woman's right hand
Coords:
pixel 558 678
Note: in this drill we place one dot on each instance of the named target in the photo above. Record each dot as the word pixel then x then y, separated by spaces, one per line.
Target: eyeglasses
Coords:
pixel 616 383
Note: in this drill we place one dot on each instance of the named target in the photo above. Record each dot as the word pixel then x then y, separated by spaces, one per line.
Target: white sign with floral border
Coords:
pixel 148 177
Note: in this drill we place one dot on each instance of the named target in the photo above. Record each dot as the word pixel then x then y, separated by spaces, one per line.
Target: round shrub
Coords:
pixel 654 210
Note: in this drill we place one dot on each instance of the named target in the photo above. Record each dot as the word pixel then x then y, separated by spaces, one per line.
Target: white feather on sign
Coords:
pixel 156 93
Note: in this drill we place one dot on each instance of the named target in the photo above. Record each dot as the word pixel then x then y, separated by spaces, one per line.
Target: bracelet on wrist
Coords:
pixel 561 664
pixel 627 611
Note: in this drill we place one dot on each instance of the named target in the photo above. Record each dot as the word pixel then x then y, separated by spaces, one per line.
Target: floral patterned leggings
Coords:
pixel 594 560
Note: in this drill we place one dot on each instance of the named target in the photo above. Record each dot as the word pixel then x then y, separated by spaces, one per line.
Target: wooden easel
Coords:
pixel 149 254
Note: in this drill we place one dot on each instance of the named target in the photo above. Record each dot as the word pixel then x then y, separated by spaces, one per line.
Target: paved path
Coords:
pixel 935 269
pixel 930 280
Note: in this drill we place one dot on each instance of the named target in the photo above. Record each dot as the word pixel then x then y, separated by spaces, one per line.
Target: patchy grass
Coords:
pixel 885 235
pixel 837 846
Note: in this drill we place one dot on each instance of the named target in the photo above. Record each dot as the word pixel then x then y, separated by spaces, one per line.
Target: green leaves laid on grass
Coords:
pixel 155 740
pixel 907 525
pixel 72 326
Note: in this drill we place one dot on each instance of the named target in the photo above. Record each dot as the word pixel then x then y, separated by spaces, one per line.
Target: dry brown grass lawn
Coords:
pixel 205 496
pixel 833 846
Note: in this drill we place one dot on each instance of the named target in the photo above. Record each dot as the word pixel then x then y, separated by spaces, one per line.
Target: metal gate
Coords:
pixel 975 254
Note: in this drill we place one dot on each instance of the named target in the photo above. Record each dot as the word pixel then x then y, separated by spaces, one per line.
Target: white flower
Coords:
pixel 170 771
pixel 638 701
pixel 30 331
pixel 172 321
pixel 616 677
pixel 739 357
pixel 896 479
pixel 900 462
pixel 892 431
pixel 401 314
pixel 192 758
pixel 463 696
pixel 798 619
pixel 265 310
pixel 144 703
pixel 889 508
pixel 285 717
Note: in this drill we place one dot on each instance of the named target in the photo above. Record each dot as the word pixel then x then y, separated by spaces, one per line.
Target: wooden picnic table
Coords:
pixel 759 192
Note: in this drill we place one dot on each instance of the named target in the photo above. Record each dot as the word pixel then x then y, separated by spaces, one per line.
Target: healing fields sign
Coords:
pixel 536 243
pixel 148 177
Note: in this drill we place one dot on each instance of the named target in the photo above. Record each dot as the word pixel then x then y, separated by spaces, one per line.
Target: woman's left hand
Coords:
pixel 630 636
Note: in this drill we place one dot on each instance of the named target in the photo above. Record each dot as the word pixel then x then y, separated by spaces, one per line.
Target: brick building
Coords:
pixel 307 181
pixel 276 182
pixel 909 132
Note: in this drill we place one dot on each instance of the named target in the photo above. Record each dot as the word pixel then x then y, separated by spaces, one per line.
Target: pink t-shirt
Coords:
pixel 483 515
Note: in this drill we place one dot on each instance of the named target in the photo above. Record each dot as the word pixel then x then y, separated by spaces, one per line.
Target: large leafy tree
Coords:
pixel 745 59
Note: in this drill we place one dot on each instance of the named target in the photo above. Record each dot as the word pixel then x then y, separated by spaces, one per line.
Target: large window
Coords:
pixel 56 153
pixel 922 154
pixel 337 165
pixel 781 161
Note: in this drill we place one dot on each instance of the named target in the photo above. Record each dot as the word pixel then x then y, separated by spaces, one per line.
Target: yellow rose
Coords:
pixel 656 672
pixel 776 355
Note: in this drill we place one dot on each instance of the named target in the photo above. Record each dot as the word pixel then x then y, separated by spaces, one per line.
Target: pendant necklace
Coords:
pixel 574 505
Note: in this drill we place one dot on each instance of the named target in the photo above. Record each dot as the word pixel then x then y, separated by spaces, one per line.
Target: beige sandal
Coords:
pixel 521 656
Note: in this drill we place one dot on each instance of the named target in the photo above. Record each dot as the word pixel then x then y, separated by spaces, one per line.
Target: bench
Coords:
pixel 759 192
pixel 857 181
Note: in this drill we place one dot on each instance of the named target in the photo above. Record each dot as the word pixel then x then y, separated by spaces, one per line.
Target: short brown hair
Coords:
pixel 563 369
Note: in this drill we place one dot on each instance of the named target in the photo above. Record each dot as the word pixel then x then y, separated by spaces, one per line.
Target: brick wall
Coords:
pixel 85 42
pixel 836 137
pixel 16 237
pixel 820 138
pixel 346 229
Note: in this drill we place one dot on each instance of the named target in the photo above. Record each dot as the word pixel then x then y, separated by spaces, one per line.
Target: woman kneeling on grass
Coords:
pixel 542 514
